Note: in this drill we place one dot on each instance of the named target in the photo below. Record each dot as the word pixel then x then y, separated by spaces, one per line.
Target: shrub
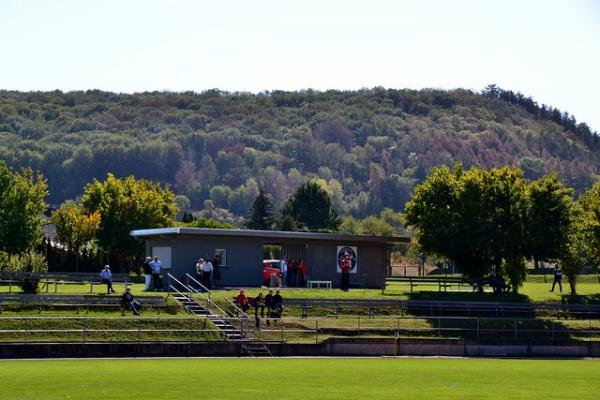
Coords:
pixel 30 265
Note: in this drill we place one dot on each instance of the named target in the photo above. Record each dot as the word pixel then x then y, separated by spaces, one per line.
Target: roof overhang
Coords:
pixel 268 235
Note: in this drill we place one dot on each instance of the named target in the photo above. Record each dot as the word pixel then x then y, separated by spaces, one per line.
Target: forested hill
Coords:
pixel 370 146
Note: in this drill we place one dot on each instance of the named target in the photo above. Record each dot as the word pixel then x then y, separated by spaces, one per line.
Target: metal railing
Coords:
pixel 189 278
pixel 298 330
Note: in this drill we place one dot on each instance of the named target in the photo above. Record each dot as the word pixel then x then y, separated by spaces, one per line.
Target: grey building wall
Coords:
pixel 245 255
pixel 371 261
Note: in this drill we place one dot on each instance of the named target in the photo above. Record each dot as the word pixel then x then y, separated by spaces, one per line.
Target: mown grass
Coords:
pixel 305 379
pixel 106 329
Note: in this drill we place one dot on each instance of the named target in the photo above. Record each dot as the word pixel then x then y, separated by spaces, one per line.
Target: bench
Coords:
pixel 76 302
pixel 443 283
pixel 71 278
pixel 318 284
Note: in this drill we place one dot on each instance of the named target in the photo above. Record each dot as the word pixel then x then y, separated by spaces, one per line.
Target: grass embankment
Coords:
pixel 303 379
pixel 104 327
pixel 533 290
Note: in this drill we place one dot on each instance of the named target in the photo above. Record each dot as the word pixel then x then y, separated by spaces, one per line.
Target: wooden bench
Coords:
pixel 72 278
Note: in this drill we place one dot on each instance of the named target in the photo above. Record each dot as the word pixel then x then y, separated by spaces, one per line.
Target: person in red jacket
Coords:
pixel 302 273
pixel 242 301
pixel 346 267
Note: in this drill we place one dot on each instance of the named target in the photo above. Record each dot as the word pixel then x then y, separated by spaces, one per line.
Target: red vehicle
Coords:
pixel 270 267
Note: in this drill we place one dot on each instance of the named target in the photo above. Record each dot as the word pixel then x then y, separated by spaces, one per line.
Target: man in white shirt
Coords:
pixel 107 279
pixel 284 271
pixel 156 265
pixel 207 270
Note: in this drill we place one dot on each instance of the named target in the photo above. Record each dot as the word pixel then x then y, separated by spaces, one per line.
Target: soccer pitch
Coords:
pixel 305 379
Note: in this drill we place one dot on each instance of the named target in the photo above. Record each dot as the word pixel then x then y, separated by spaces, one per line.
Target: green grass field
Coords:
pixel 305 379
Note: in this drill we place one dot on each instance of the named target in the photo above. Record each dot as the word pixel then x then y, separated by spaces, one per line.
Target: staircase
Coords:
pixel 256 349
pixel 193 307
pixel 184 297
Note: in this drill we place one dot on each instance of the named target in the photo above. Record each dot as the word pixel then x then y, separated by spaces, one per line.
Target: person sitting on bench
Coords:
pixel 127 301
pixel 107 279
pixel 242 301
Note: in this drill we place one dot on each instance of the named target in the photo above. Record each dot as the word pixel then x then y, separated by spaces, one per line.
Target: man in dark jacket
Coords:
pixel 277 305
pixel 147 274
pixel 127 301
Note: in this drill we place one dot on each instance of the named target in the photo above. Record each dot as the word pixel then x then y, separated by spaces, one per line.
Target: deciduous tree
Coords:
pixel 124 205
pixel 22 202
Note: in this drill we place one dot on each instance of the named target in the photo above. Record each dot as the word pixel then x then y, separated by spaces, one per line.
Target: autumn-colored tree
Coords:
pixel 124 205
pixel 75 229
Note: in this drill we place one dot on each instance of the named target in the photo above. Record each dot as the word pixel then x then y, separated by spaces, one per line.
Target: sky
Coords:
pixel 547 49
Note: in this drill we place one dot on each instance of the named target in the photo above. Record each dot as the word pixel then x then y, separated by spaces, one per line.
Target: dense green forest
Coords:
pixel 369 148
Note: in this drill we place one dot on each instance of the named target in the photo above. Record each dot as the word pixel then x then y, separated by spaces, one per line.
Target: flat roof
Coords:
pixel 247 233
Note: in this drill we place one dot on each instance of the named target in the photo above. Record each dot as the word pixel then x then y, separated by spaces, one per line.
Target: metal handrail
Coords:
pixel 238 310
pixel 188 277
pixel 190 289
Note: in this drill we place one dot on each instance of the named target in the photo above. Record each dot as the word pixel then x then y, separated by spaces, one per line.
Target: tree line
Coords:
pixel 215 149
pixel 491 221
pixel 484 220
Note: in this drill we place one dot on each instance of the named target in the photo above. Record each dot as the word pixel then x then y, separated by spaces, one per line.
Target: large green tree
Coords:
pixel 22 202
pixel 311 207
pixel 261 213
pixel 127 204
pixel 590 223
pixel 549 218
pixel 474 217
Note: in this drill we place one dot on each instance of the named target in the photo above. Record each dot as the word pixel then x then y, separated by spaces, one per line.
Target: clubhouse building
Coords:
pixel 241 253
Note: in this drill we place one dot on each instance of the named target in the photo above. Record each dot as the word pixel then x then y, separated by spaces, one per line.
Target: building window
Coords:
pixel 221 255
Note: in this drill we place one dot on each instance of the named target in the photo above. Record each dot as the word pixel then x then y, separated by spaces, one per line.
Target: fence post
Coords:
pixel 477 329
pixel 516 328
pixel 26 330
pixel 84 330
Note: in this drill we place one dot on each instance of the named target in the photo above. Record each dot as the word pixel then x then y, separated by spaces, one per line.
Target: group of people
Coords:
pixel 127 300
pixel 205 270
pixel 272 301
pixel 152 271
pixel 293 273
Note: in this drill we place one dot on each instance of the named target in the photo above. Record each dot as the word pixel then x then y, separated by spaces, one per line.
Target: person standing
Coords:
pixel 156 267
pixel 199 273
pixel 147 274
pixel 302 273
pixel 106 276
pixel 557 278
pixel 293 272
pixel 207 269
pixel 346 266
pixel 216 263
pixel 284 271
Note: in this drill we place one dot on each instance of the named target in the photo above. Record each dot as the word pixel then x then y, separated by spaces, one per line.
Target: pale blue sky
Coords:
pixel 549 49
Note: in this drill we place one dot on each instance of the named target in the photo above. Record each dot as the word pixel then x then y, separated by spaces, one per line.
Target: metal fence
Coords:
pixel 293 329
